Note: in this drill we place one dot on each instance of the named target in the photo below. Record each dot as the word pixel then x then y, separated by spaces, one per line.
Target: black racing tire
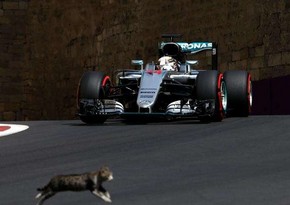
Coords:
pixel 239 88
pixel 210 85
pixel 93 85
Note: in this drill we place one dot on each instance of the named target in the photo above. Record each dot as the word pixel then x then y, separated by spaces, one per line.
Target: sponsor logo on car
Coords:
pixel 195 46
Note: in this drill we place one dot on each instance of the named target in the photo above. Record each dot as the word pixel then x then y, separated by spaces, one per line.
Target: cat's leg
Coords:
pixel 44 197
pixel 103 195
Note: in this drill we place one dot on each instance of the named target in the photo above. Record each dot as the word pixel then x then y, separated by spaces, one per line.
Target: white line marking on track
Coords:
pixel 9 129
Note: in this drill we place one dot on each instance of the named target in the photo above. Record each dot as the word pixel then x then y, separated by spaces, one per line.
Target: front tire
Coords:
pixel 93 85
pixel 210 86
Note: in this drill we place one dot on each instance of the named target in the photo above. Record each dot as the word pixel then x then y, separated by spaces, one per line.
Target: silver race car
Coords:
pixel 173 87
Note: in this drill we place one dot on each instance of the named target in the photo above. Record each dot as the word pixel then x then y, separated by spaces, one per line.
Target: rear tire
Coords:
pixel 93 85
pixel 239 87
pixel 210 85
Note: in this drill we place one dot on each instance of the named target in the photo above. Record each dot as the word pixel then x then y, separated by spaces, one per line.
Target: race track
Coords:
pixel 239 161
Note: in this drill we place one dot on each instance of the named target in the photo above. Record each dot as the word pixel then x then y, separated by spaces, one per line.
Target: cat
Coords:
pixel 91 181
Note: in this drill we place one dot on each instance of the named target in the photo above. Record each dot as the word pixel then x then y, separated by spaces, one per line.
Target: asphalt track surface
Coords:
pixel 238 161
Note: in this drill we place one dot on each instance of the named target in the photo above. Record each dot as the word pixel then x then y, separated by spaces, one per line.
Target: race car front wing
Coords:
pixel 106 107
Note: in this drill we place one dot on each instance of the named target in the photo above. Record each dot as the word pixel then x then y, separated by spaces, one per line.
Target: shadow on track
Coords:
pixel 123 122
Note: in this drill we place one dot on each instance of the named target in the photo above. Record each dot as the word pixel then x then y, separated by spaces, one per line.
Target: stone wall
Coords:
pixel 13 22
pixel 45 46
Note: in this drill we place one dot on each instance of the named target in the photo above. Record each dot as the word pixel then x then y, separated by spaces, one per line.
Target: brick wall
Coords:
pixel 45 46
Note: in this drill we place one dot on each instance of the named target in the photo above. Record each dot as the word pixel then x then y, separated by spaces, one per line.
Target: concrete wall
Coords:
pixel 46 45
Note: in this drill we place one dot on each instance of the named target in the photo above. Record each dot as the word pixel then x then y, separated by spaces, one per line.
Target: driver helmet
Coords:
pixel 168 63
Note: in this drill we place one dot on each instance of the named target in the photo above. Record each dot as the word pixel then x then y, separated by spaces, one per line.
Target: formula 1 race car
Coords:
pixel 171 88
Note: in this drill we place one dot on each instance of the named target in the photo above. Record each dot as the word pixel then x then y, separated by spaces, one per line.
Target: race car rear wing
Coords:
pixel 179 49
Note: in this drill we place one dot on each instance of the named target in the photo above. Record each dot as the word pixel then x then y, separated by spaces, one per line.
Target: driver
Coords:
pixel 167 63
